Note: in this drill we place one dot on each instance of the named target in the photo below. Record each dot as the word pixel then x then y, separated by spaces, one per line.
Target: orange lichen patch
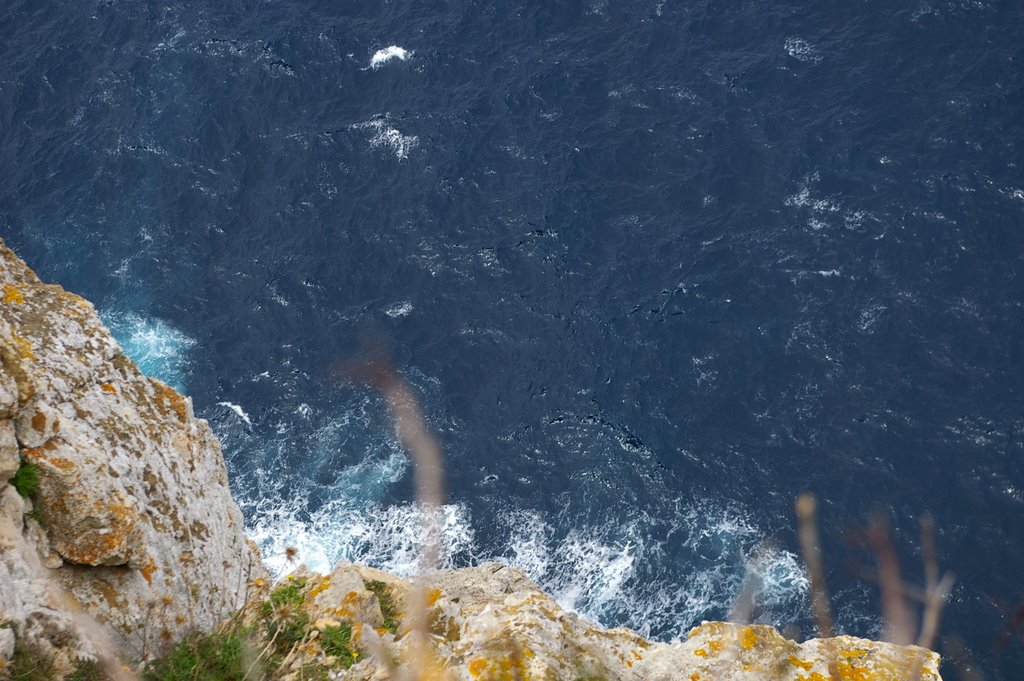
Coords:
pixel 715 646
pixel 700 652
pixel 12 295
pixel 814 676
pixel 747 638
pixel 321 586
pixel 169 400
pixel 106 545
pixel 108 388
pixel 349 605
pixel 477 666
pixel 147 572
pixel 856 652
pixel 802 664
pixel 695 677
pixel 433 596
pixel 847 672
pixel 38 456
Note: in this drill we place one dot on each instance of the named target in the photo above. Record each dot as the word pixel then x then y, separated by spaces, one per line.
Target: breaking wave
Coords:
pixel 610 572
pixel 158 348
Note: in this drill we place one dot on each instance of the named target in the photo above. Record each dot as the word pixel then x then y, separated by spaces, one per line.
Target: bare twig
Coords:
pixel 898 626
pixel 806 506
pixel 936 590
pixel 428 474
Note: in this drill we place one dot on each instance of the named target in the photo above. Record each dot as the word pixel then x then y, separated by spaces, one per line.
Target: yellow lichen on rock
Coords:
pixel 477 667
pixel 12 295
pixel 747 638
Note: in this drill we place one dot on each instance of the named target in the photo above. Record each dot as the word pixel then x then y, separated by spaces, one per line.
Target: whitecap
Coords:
pixel 389 53
pixel 401 309
pixel 801 50
pixel 388 137
pixel 238 410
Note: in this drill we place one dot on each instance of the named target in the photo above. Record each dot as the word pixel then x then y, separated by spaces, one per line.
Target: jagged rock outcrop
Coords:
pixel 132 517
pixel 492 623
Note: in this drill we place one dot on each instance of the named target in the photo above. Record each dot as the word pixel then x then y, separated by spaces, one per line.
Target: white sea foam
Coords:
pixel 387 137
pixel 390 53
pixel 600 571
pixel 158 348
pixel 401 309
pixel 238 410
pixel 387 537
pixel 801 50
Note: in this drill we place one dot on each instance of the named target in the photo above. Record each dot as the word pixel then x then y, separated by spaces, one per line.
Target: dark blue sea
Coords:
pixel 653 267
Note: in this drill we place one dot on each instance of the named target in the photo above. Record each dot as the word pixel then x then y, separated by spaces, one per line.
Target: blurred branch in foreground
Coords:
pixel 899 626
pixel 428 476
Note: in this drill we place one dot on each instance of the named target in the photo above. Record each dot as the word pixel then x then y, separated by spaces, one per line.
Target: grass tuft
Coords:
pixel 388 607
pixel 221 656
pixel 26 480
pixel 337 642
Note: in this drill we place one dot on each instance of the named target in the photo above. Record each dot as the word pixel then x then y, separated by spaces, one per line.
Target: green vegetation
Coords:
pixel 336 641
pixel 26 480
pixel 272 642
pixel 288 595
pixel 231 655
pixel 33 663
pixel 388 607
pixel 30 664
pixel 285 621
pixel 88 671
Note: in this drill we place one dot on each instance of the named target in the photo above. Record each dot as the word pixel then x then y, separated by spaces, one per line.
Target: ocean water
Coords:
pixel 654 268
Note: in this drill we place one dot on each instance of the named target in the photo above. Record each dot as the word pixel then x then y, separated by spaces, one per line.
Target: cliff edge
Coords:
pixel 115 514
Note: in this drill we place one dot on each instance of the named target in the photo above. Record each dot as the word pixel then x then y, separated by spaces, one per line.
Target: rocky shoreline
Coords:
pixel 120 538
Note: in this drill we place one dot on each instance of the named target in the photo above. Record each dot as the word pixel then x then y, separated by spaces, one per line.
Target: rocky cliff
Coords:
pixel 115 515
pixel 131 516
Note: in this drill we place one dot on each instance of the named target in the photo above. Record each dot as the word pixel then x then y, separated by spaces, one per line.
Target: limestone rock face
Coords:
pixel 135 519
pixel 491 623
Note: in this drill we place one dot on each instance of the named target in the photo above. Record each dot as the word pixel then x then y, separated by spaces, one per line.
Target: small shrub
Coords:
pixel 290 594
pixel 388 607
pixel 26 480
pixel 337 642
pixel 286 631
